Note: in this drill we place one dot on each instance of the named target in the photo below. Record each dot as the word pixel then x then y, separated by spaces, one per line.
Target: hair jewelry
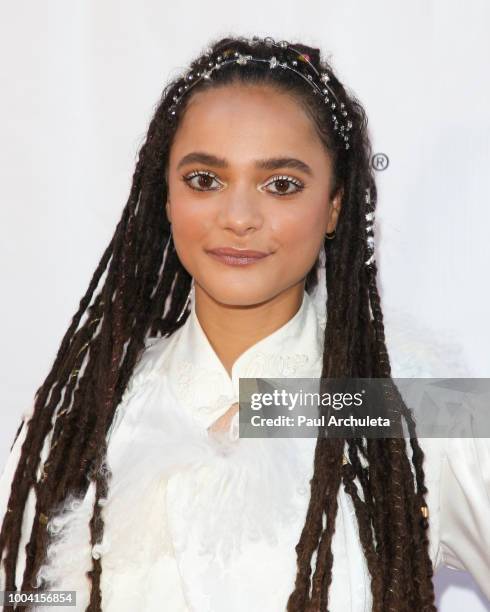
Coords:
pixel 369 228
pixel 298 62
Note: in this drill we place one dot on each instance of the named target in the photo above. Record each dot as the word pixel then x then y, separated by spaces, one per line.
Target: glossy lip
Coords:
pixel 237 257
pixel 237 252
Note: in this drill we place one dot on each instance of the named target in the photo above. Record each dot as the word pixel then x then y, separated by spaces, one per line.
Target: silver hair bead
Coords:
pixel 243 59
pixel 370 216
pixel 96 551
pixel 370 260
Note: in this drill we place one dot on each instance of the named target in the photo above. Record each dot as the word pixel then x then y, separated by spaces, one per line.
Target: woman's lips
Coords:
pixel 237 257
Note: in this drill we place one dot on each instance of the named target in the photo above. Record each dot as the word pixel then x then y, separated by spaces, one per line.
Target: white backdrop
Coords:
pixel 80 81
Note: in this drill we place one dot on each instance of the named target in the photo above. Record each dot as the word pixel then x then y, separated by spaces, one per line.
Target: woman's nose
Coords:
pixel 241 210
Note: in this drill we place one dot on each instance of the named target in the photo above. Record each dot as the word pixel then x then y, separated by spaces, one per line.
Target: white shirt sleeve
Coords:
pixel 465 508
pixel 457 468
pixel 6 479
pixel 5 486
pixel 9 469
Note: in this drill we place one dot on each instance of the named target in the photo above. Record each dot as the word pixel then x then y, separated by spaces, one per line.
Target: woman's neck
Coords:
pixel 231 330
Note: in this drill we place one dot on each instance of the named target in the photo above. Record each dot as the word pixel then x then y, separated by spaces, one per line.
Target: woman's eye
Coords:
pixel 285 185
pixel 201 181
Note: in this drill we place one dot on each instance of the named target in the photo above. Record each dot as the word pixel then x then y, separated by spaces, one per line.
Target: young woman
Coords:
pixel 245 250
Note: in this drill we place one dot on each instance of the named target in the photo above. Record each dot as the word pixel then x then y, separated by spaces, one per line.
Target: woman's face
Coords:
pixel 248 171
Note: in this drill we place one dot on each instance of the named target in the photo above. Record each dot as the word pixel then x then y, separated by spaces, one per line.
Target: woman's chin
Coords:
pixel 242 296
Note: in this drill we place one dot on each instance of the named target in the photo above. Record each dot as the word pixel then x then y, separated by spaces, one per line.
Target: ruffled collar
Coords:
pixel 203 384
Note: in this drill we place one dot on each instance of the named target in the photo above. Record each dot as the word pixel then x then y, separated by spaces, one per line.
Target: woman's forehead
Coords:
pixel 246 121
pixel 259 104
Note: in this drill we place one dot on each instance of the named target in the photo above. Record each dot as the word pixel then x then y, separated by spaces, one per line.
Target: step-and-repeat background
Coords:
pixel 80 81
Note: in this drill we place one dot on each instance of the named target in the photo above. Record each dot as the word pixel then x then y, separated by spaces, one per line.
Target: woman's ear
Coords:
pixel 334 210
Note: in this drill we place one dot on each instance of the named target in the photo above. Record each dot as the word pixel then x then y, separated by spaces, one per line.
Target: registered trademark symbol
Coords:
pixel 380 161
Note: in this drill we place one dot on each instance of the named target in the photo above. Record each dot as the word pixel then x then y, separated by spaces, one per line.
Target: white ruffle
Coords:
pixel 251 490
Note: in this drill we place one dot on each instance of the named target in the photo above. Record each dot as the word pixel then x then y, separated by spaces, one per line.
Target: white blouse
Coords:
pixel 208 522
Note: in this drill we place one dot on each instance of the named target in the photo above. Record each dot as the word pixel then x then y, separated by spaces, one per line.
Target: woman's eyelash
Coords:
pixel 287 179
pixel 274 179
pixel 198 173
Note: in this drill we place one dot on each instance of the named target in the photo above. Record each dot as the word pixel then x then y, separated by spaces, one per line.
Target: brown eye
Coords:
pixel 282 186
pixel 200 181
pixel 285 185
pixel 204 181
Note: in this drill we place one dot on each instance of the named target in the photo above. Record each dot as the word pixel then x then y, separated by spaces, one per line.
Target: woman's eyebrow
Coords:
pixel 272 163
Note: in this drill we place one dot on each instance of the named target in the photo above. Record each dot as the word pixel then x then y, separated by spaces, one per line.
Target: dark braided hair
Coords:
pixel 138 290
